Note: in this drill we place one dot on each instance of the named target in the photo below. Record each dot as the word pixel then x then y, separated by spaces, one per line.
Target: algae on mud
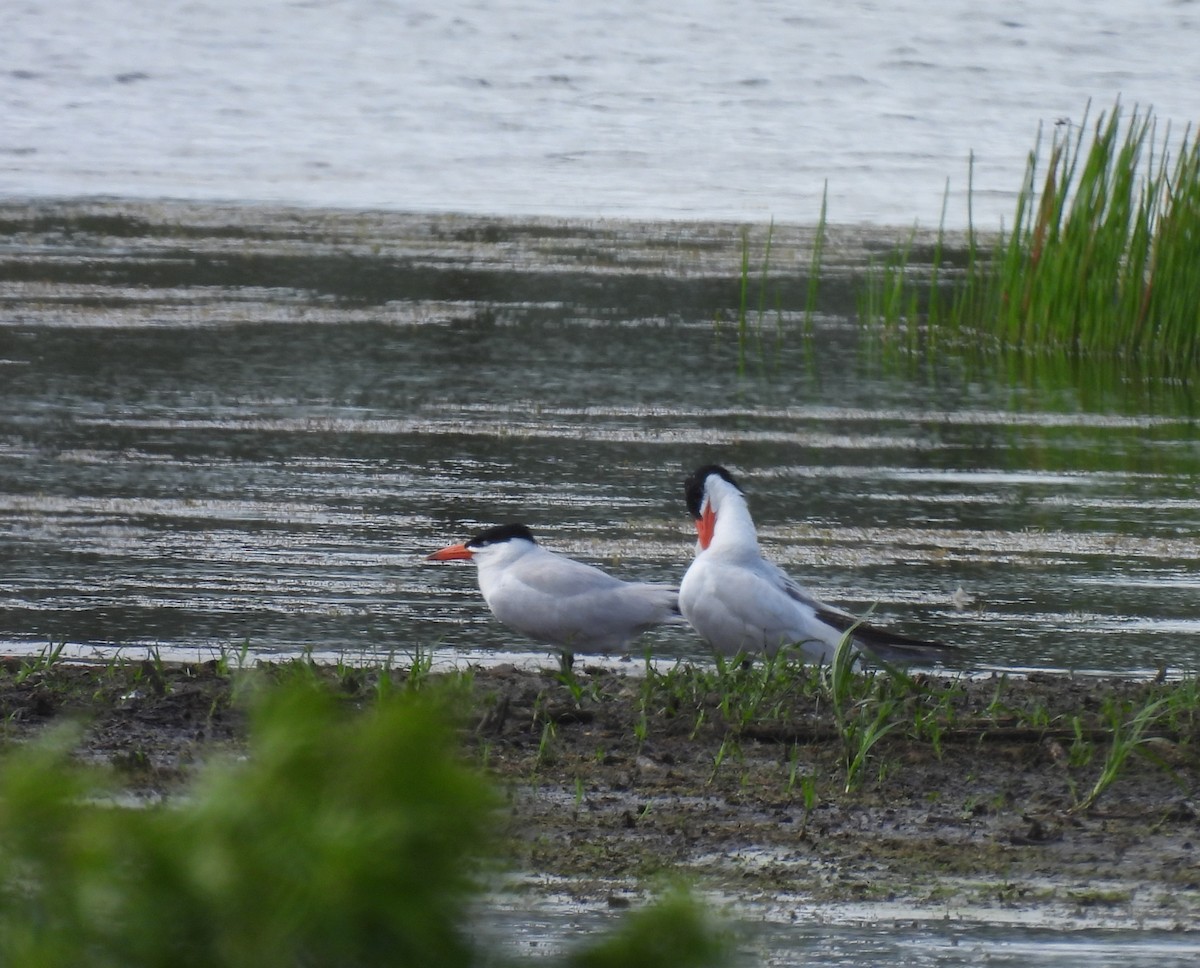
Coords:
pixel 616 780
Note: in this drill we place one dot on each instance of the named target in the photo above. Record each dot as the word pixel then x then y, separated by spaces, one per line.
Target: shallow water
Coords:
pixel 699 110
pixel 244 428
pixel 824 938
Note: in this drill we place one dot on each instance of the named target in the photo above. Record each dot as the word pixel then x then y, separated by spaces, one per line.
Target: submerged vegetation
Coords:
pixel 1100 259
pixel 757 340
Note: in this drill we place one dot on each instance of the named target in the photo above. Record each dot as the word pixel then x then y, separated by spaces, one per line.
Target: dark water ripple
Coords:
pixel 230 426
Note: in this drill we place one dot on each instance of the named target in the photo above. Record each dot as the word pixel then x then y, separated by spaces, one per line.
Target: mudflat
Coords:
pixel 1044 798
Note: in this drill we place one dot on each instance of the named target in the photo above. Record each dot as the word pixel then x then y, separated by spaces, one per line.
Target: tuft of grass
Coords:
pixel 1128 736
pixel 863 708
pixel 761 690
pixel 1100 261
pixel 871 722
pixel 44 661
pixel 420 666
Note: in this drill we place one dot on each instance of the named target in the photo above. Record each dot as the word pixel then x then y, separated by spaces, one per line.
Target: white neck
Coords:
pixel 734 532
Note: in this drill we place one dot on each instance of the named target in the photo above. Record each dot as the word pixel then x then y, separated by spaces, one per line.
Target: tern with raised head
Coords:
pixel 558 600
pixel 738 601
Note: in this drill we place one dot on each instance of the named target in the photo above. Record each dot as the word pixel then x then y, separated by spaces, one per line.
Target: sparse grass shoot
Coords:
pixel 1128 736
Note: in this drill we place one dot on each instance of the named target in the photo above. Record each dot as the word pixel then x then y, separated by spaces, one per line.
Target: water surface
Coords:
pixel 700 110
pixel 245 428
pixel 875 934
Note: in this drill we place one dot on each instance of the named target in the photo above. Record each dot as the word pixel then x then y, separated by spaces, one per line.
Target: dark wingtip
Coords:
pixel 501 533
pixel 693 487
pixel 892 647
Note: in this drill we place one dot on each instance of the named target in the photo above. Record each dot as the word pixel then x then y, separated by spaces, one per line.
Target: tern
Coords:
pixel 558 600
pixel 738 601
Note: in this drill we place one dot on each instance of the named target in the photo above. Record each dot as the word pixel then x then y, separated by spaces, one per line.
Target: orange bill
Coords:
pixel 451 553
pixel 705 525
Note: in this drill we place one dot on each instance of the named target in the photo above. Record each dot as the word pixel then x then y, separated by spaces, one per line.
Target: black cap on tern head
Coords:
pixel 501 533
pixel 693 487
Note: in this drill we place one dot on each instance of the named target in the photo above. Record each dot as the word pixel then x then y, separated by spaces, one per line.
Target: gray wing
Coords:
pixel 566 602
pixel 881 643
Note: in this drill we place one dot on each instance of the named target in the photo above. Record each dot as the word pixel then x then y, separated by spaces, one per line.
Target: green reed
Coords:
pixel 751 333
pixel 1100 260
pixel 758 301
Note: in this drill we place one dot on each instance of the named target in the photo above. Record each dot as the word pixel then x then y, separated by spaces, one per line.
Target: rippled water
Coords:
pixel 816 939
pixel 699 110
pixel 245 427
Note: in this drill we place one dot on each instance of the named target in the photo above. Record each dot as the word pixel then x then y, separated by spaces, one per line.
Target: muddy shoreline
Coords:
pixel 614 783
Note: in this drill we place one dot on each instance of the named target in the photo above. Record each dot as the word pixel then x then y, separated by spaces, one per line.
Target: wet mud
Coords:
pixel 614 782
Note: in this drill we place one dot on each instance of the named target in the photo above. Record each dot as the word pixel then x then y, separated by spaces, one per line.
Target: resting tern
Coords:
pixel 737 601
pixel 555 599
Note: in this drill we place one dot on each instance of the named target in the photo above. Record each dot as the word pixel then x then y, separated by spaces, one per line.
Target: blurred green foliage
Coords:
pixel 342 837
